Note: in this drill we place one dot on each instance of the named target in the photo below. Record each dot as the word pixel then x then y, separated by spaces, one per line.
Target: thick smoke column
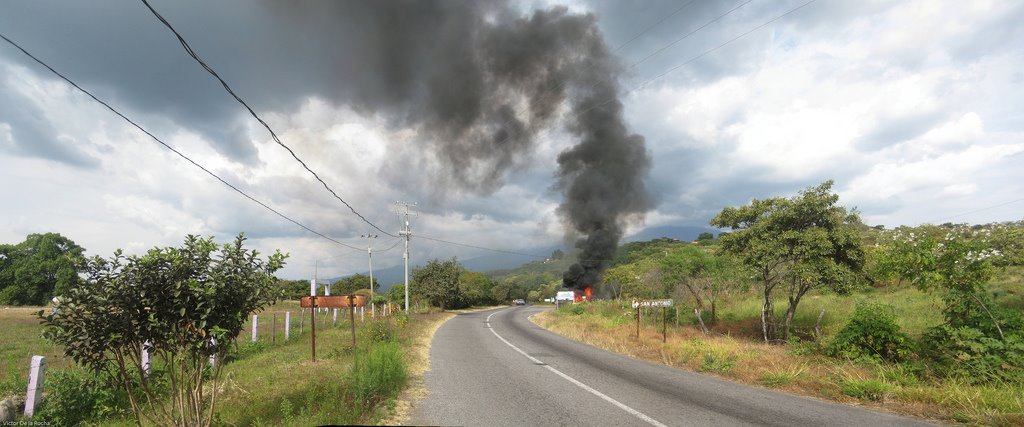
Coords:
pixel 477 81
pixel 602 177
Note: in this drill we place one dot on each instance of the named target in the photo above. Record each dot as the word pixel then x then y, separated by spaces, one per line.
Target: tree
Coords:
pixel 32 271
pixel 353 283
pixel 396 294
pixel 475 287
pixel 292 289
pixel 701 273
pixel 705 237
pixel 438 284
pixel 557 254
pixel 182 304
pixel 803 242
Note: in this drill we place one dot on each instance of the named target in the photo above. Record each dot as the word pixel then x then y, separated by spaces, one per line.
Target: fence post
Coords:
pixel 335 321
pixel 145 358
pixel 273 330
pixel 362 313
pixel 373 311
pixel 37 370
pixel 213 357
pixel 287 325
pixel 255 327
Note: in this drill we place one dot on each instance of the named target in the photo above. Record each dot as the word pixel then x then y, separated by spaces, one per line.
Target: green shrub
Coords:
pixel 379 375
pixel 716 362
pixel 380 331
pixel 873 333
pixel 75 397
pixel 782 376
pixel 869 389
pixel 974 355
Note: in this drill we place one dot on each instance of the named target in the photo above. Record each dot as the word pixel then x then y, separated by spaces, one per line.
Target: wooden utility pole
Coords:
pixel 352 318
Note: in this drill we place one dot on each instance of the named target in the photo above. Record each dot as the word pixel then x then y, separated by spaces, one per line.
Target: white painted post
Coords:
pixel 335 321
pixel 362 313
pixel 255 327
pixel 37 370
pixel 145 358
pixel 213 357
pixel 373 311
pixel 287 325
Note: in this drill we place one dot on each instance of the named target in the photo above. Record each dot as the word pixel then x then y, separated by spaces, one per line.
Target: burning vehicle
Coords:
pixel 581 295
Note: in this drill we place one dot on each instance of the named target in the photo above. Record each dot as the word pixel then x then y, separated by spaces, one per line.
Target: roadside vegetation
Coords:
pixel 799 295
pixel 189 303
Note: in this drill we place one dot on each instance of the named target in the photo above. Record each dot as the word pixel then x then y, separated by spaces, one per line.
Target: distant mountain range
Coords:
pixel 498 261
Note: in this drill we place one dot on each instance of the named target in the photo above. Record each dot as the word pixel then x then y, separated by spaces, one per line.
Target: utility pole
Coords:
pixel 406 232
pixel 369 251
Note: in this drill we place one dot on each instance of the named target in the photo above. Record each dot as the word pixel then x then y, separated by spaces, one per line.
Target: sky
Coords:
pixel 911 107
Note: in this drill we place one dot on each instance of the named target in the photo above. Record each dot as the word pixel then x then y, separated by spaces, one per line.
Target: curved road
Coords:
pixel 495 368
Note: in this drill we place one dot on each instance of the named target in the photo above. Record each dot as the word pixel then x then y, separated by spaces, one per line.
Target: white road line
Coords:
pixel 621 405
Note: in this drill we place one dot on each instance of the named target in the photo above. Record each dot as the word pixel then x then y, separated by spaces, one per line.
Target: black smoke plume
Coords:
pixel 478 81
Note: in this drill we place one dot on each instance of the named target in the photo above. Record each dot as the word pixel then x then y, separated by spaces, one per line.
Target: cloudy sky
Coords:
pixel 912 107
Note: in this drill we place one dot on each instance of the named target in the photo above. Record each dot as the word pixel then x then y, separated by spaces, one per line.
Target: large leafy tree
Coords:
pixel 353 283
pixel 475 287
pixel 32 271
pixel 799 243
pixel 438 284
pixel 183 304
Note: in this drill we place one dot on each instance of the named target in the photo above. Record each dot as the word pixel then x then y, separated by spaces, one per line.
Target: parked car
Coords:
pixel 519 301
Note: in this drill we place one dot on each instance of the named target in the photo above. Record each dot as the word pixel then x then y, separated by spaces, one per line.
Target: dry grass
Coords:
pixel 789 369
pixel 418 362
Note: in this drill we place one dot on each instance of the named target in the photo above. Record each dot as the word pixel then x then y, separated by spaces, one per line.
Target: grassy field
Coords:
pixel 273 381
pixel 733 351
pixel 20 340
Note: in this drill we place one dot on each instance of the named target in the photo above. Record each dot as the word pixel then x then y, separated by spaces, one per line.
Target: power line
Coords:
pixel 977 210
pixel 210 70
pixel 165 145
pixel 650 27
pixel 687 35
pixel 705 53
pixel 420 236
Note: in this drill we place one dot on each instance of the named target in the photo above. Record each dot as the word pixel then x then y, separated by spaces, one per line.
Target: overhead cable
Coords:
pixel 212 72
pixel 172 149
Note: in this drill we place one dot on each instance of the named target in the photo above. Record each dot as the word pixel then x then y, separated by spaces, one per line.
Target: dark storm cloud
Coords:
pixel 114 49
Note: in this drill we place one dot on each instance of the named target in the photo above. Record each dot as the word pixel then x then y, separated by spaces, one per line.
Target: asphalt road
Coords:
pixel 496 368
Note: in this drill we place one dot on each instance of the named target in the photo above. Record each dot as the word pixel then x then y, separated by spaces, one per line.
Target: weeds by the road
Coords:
pixel 270 382
pixel 797 367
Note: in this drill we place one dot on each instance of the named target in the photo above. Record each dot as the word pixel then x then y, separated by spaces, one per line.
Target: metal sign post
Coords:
pixel 658 303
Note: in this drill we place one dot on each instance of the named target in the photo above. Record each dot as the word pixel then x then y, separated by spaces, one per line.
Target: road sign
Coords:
pixel 333 301
pixel 652 303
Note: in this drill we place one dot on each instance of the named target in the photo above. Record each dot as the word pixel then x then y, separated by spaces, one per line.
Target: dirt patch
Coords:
pixel 419 364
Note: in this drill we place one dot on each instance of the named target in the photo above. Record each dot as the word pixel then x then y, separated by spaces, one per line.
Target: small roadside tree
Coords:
pixel 183 305
pixel 704 275
pixel 802 242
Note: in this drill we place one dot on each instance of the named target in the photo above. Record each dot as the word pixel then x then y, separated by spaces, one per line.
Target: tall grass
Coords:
pixel 799 367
